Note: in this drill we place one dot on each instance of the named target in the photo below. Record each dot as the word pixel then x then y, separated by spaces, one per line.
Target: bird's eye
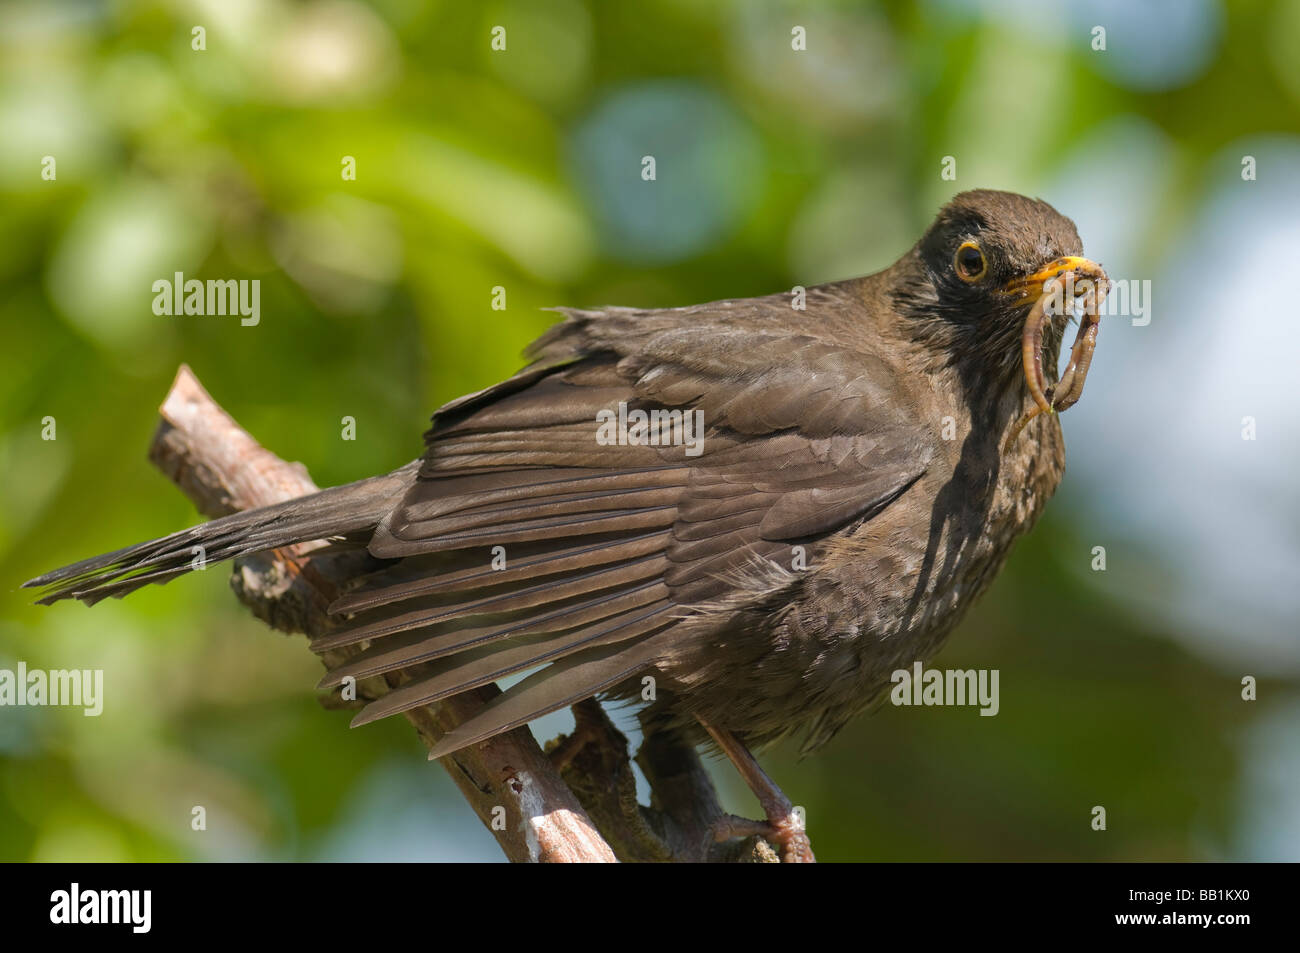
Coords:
pixel 969 262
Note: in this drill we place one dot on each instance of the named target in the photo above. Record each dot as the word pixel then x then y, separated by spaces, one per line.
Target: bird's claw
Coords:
pixel 789 835
pixel 786 833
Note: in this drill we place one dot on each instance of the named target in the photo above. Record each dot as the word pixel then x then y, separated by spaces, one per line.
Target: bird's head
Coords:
pixel 970 290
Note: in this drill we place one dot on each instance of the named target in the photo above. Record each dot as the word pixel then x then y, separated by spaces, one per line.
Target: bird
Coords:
pixel 766 505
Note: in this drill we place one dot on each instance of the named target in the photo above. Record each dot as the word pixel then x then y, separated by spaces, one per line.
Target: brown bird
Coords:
pixel 766 509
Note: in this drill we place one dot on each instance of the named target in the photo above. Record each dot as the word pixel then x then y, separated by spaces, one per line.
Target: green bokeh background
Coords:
pixel 521 169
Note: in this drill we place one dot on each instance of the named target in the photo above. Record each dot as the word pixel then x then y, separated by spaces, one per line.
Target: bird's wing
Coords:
pixel 526 542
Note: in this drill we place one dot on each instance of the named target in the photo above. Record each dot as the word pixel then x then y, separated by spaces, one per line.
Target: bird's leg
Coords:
pixel 784 825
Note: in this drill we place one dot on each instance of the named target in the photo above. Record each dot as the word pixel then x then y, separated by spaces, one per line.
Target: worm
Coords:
pixel 1069 388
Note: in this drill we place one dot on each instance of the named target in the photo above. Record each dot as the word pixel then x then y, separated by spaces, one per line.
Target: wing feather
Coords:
pixel 607 548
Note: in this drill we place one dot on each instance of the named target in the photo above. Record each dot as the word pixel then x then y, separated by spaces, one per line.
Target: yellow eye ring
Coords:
pixel 969 263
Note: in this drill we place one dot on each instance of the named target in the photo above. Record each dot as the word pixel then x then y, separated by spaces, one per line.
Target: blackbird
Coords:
pixel 765 508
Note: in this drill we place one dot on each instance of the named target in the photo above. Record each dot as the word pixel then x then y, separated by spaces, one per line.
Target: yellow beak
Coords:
pixel 1034 285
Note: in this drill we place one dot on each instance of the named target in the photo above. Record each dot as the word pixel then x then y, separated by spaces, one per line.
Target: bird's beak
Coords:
pixel 1082 280
pixel 1032 286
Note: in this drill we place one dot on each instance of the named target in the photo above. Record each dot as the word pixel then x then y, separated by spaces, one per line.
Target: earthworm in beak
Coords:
pixel 1057 282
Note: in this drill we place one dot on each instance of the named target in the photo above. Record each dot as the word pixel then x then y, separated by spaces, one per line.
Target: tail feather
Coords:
pixel 337 512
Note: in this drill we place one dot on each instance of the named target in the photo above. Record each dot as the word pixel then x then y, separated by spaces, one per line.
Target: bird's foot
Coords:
pixel 730 825
pixel 784 826
pixel 786 833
